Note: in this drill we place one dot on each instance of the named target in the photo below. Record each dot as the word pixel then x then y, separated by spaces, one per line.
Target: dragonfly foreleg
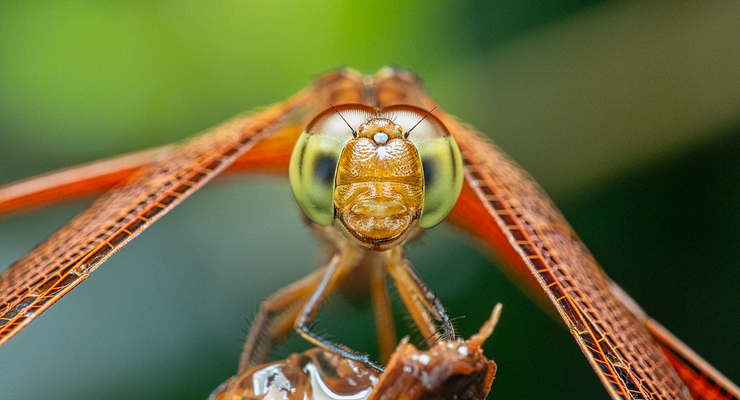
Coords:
pixel 420 300
pixel 335 273
pixel 275 319
pixel 383 312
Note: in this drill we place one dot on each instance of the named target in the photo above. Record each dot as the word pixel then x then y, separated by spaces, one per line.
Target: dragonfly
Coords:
pixel 633 356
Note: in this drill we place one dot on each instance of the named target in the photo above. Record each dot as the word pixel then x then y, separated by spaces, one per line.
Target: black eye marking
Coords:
pixel 430 172
pixel 324 168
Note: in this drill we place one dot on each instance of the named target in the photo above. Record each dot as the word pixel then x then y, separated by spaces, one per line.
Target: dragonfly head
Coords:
pixel 355 166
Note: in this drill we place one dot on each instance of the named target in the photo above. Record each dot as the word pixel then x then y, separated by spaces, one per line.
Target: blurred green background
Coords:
pixel 627 112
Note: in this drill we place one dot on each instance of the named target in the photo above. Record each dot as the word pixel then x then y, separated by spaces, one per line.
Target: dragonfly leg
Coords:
pixel 421 302
pixel 274 320
pixel 383 314
pixel 336 271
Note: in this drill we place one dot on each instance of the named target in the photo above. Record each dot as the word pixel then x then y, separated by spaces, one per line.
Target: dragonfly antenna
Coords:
pixel 345 121
pixel 417 124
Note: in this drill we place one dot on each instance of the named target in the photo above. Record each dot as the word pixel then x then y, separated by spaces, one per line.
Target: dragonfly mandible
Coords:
pixel 518 221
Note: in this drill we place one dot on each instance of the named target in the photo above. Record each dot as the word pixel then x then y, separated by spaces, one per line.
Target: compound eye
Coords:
pixel 440 158
pixel 313 164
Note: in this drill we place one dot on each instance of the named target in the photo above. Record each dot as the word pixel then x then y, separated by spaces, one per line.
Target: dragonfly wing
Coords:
pixel 702 380
pixel 533 236
pixel 50 270
pixel 270 154
pixel 502 206
pixel 76 181
pixel 53 268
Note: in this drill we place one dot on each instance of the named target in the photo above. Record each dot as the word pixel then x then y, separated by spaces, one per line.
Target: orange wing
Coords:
pixel 270 154
pixel 33 283
pixel 56 266
pixel 502 206
pixel 703 380
pixel 618 347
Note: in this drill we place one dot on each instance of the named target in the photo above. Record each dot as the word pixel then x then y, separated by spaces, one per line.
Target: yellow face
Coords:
pixel 356 164
pixel 379 186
